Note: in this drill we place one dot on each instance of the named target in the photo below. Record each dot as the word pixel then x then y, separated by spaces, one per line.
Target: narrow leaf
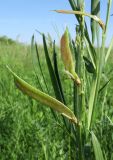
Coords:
pixel 53 76
pixel 51 72
pixel 89 65
pixel 74 7
pixel 91 101
pixel 32 51
pixel 43 98
pixel 95 10
pixel 57 72
pixel 73 4
pixel 37 53
pixel 97 148
pixel 109 4
pixel 91 51
pixel 104 85
pixel 110 121
pixel 109 50
pixel 34 46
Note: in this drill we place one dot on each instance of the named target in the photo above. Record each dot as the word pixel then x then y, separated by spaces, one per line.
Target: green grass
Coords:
pixel 27 129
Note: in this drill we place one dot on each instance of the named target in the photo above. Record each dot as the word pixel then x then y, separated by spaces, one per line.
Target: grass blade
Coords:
pixel 53 77
pixel 109 50
pixel 91 101
pixel 109 4
pixel 32 51
pixel 95 18
pixel 73 4
pixel 74 7
pixel 57 73
pixel 104 85
pixel 77 6
pixel 37 53
pixel 97 148
pixel 51 72
pixel 95 10
pixel 89 65
pixel 91 51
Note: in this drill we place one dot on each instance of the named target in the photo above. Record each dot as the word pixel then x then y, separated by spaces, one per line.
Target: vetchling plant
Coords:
pixel 85 61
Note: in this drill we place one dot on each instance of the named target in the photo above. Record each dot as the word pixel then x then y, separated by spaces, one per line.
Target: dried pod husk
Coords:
pixel 67 57
pixel 94 17
pixel 66 52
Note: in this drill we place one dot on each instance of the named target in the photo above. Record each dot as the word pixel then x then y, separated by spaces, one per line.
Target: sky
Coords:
pixel 20 18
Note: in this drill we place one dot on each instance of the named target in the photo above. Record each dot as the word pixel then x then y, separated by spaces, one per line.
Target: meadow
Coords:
pixel 74 79
pixel 27 129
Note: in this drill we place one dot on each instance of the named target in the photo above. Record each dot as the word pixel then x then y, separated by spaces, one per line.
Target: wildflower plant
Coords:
pixel 84 60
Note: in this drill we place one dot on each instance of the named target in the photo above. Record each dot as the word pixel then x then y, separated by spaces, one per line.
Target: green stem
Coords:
pixel 79 100
pixel 96 84
pixel 100 67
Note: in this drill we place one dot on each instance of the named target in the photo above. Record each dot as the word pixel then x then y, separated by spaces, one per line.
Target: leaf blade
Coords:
pixel 97 148
pixel 51 72
pixel 95 10
pixel 97 19
pixel 57 72
pixel 109 50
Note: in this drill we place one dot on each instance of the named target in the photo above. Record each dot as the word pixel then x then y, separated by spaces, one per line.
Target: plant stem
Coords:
pixel 100 66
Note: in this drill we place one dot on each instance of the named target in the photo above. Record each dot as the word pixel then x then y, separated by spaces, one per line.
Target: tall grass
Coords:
pixel 23 132
pixel 85 118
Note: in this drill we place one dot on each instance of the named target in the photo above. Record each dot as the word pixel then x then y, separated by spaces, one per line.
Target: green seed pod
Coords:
pixel 67 57
pixel 43 98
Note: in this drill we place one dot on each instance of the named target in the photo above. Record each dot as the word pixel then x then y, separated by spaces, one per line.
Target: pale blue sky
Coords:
pixel 20 18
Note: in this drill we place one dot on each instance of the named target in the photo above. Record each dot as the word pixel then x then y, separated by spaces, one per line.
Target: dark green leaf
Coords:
pixel 37 53
pixel 32 51
pixel 51 72
pixel 100 90
pixel 88 64
pixel 57 72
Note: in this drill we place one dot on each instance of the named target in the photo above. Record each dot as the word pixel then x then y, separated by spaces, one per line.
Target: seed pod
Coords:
pixel 43 98
pixel 67 57
pixel 66 52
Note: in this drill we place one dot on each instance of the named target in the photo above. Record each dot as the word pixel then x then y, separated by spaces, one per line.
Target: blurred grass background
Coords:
pixel 28 131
